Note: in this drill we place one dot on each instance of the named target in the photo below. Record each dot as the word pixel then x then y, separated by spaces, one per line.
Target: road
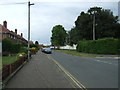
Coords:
pixel 91 72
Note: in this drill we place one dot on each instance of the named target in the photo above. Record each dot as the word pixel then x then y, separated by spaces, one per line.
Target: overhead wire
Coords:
pixel 13 3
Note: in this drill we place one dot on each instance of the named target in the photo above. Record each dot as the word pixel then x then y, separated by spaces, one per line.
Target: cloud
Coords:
pixel 45 15
pixel 25 1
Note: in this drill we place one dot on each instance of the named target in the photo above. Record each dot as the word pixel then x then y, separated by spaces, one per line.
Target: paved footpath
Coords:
pixel 40 72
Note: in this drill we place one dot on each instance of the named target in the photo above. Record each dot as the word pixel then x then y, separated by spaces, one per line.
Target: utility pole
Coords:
pixel 69 39
pixel 119 11
pixel 94 26
pixel 29 29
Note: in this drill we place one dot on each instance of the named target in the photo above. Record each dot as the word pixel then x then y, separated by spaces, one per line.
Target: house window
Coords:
pixel 9 35
pixel 14 37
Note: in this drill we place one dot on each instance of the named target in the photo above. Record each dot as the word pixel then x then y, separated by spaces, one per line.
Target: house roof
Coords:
pixel 5 30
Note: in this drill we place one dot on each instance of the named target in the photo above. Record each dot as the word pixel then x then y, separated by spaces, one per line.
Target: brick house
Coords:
pixel 6 33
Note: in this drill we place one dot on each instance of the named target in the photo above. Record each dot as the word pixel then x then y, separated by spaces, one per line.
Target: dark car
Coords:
pixel 42 49
pixel 46 50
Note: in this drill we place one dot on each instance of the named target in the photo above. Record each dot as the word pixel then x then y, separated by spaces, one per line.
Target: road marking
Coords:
pixel 109 63
pixel 80 85
pixel 98 60
pixel 110 57
pixel 105 62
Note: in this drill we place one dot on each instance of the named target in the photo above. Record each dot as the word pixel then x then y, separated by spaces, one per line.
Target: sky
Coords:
pixel 46 14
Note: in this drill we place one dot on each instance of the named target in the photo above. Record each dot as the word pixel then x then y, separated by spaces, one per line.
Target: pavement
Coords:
pixel 40 72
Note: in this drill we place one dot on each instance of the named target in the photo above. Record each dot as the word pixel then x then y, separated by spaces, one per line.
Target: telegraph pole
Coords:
pixel 29 28
pixel 94 26
pixel 69 40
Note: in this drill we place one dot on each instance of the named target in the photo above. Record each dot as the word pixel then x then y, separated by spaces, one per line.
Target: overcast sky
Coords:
pixel 45 15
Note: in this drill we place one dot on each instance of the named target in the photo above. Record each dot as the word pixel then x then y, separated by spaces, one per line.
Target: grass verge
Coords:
pixel 74 52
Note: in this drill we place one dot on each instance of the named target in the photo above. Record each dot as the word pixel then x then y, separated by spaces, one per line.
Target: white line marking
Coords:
pixel 66 72
pixel 103 62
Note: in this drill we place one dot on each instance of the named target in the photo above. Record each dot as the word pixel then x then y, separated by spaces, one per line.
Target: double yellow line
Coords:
pixel 80 85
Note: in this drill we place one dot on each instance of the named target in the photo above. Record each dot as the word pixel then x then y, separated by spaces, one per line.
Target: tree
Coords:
pixel 74 36
pixel 36 42
pixel 84 26
pixel 58 36
pixel 106 25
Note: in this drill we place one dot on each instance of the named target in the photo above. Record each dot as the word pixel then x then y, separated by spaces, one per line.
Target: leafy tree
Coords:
pixel 106 25
pixel 58 36
pixel 84 26
pixel 74 36
pixel 36 42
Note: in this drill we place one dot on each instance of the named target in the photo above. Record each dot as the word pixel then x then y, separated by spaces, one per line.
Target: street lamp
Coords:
pixel 29 29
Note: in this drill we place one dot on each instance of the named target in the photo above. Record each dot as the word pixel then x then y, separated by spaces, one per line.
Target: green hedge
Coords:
pixel 100 46
pixel 10 47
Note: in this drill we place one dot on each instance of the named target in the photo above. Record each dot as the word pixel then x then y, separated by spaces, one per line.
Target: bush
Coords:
pixel 10 47
pixel 21 55
pixel 100 46
pixel 7 45
pixel 33 50
pixel 23 49
pixel 34 45
pixel 16 48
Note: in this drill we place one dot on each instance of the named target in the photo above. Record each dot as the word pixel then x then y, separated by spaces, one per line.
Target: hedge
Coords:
pixel 100 46
pixel 10 47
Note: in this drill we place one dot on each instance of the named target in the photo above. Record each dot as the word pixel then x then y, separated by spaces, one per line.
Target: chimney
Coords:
pixel 21 34
pixel 16 31
pixel 5 24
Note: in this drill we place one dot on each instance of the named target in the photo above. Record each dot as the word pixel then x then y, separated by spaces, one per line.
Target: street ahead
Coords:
pixel 91 72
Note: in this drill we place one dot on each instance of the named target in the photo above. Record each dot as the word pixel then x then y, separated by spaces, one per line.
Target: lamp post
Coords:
pixel 29 28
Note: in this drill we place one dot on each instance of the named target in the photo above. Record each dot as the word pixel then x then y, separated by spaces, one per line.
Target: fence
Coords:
pixel 10 68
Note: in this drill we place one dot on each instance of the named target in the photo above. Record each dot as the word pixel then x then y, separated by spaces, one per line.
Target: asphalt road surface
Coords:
pixel 91 72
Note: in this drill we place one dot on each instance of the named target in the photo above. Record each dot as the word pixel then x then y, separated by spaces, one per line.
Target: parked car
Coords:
pixel 46 50
pixel 42 49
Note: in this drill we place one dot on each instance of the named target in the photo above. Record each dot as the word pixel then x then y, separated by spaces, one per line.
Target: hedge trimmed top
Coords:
pixel 100 46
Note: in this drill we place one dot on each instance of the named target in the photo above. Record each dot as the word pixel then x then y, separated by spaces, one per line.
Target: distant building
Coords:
pixel 119 11
pixel 6 33
pixel 41 45
pixel 31 42
pixel 69 47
